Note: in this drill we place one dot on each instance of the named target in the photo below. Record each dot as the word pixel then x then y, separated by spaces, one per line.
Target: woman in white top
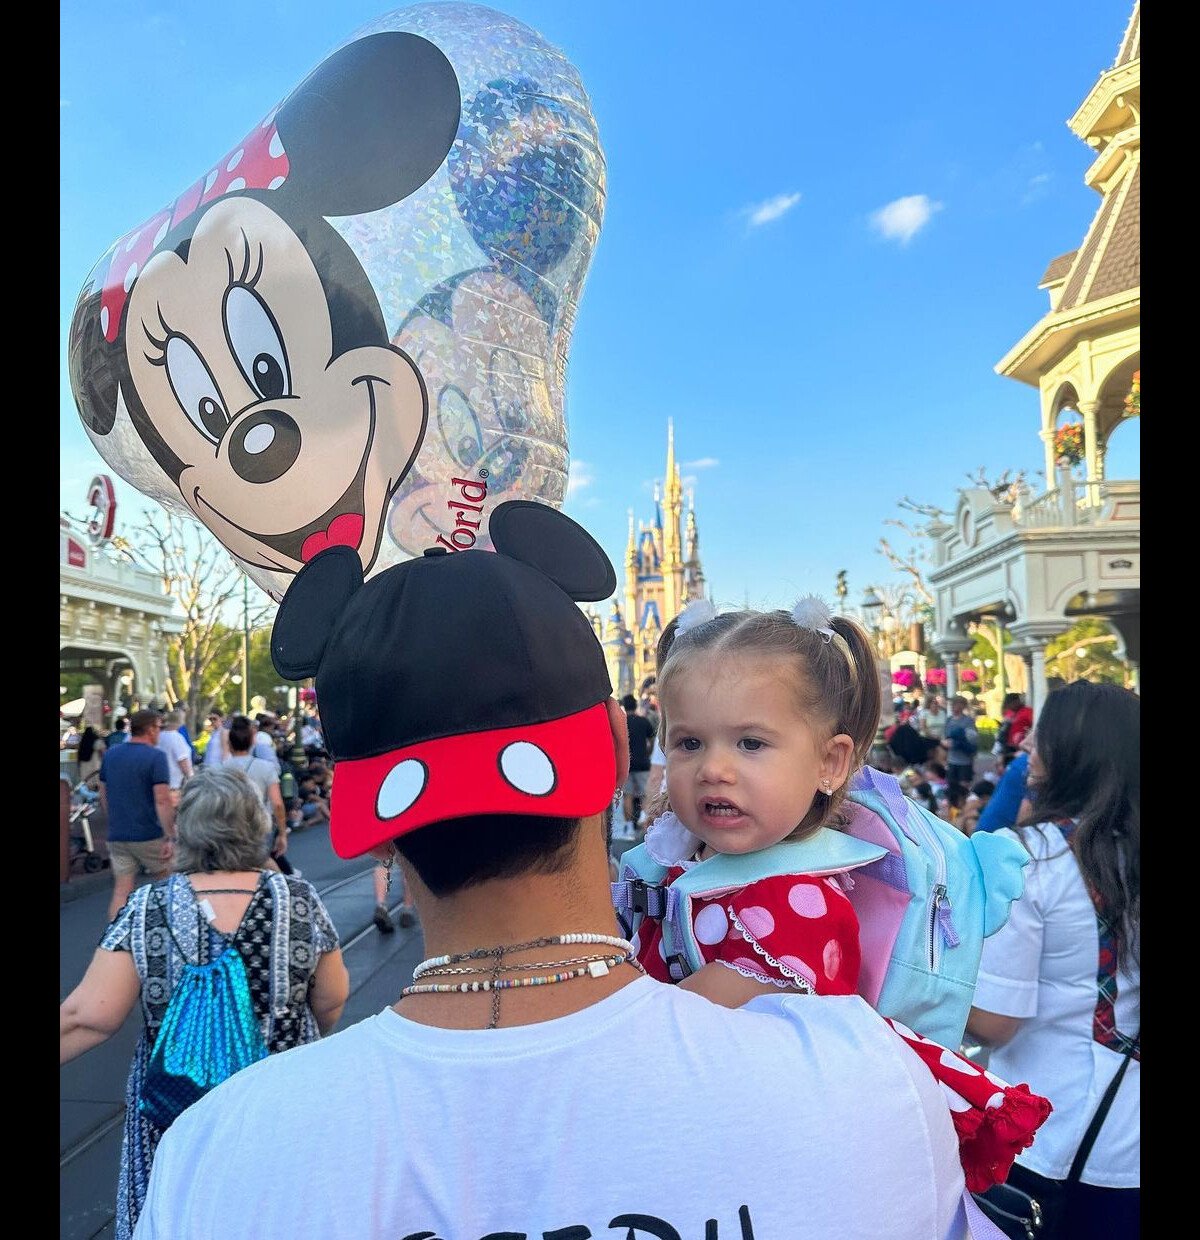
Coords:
pixel 1058 997
pixel 931 721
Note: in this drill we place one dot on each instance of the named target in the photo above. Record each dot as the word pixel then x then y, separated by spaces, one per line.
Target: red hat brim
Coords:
pixel 564 768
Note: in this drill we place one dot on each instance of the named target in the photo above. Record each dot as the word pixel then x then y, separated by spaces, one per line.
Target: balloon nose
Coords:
pixel 264 446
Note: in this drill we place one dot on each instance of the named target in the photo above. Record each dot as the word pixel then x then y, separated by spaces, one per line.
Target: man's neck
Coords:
pixel 507 911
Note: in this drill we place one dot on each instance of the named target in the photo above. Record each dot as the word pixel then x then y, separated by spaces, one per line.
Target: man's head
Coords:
pixel 145 725
pixel 464 697
pixel 120 724
pixel 958 704
pixel 241 734
pixel 629 702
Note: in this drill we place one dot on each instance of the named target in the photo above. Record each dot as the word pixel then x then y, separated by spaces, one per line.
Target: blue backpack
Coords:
pixel 926 897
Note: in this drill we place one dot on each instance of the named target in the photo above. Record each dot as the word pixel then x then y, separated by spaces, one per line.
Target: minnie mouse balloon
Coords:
pixel 353 327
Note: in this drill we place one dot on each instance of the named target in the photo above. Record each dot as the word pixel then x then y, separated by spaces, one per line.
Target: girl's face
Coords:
pixel 743 764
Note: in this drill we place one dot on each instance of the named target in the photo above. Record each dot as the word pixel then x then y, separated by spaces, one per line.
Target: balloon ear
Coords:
pixel 310 610
pixel 370 125
pixel 543 538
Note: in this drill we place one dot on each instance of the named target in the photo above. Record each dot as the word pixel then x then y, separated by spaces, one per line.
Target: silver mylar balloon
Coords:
pixel 353 327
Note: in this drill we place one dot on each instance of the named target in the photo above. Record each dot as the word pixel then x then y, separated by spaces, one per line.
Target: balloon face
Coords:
pixel 353 329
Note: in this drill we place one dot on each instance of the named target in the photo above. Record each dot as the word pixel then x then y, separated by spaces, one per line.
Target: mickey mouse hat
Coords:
pixel 459 683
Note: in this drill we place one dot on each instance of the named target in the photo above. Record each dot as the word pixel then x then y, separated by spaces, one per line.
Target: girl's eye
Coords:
pixel 751 744
pixel 690 744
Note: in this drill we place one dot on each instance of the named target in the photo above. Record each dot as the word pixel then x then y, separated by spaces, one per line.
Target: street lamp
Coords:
pixel 871 607
pixel 244 680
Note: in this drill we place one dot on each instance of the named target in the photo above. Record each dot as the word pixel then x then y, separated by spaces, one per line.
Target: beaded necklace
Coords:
pixel 594 965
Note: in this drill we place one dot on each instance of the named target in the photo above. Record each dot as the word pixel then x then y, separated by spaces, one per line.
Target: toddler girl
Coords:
pixel 765 718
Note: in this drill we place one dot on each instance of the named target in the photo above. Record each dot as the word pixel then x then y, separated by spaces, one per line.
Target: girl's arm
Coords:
pixel 98 1006
pixel 728 987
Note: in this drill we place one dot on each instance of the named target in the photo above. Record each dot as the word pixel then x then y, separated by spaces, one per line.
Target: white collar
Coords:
pixel 670 843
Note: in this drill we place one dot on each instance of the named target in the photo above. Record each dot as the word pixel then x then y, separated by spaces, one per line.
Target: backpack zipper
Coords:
pixel 937 897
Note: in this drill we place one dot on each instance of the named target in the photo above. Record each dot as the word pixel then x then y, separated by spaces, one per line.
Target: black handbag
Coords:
pixel 1024 1217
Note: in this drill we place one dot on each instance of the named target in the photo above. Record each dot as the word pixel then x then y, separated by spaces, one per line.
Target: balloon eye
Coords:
pixel 194 388
pixel 256 343
pixel 268 376
pixel 459 427
pixel 213 417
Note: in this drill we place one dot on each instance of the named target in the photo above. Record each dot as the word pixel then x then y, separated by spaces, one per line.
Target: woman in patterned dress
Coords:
pixel 219 894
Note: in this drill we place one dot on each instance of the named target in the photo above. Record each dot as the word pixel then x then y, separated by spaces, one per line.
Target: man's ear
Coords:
pixel 620 734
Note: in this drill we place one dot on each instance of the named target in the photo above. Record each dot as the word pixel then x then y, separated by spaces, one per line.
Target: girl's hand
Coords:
pixel 728 987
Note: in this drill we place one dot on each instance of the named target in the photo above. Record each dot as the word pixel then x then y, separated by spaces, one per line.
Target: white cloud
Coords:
pixel 1036 188
pixel 705 462
pixel 688 481
pixel 902 219
pixel 579 478
pixel 764 212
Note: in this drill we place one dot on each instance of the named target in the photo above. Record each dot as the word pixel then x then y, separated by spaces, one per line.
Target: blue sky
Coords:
pixel 825 225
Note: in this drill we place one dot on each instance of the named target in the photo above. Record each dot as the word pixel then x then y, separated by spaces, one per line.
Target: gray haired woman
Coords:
pixel 220 894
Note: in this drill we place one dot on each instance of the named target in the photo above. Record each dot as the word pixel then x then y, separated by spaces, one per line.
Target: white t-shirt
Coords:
pixel 176 749
pixel 217 749
pixel 1041 966
pixel 808 1116
pixel 657 757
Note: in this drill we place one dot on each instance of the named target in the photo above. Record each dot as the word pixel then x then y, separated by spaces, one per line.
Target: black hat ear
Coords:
pixel 310 609
pixel 370 125
pixel 543 538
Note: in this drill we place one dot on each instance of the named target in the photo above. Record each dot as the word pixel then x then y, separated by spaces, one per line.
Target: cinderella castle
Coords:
pixel 662 573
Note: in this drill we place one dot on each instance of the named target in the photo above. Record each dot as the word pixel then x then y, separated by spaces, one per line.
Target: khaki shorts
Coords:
pixel 136 857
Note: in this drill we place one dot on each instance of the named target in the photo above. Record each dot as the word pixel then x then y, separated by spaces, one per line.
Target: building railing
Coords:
pixel 101 568
pixel 1080 503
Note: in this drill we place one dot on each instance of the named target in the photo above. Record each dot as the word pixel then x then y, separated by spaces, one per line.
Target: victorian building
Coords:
pixel 662 573
pixel 115 623
pixel 1034 564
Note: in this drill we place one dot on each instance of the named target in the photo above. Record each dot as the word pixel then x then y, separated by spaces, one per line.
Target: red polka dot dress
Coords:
pixel 801 933
pixel 795 931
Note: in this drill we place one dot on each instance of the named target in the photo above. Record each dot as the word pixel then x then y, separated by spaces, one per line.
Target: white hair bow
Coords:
pixel 698 611
pixel 810 612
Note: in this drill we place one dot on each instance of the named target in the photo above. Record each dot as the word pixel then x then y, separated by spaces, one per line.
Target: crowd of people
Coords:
pixel 492 787
pixel 935 753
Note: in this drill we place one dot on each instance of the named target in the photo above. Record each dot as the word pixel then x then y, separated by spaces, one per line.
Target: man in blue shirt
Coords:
pixel 135 796
pixel 961 742
pixel 1005 803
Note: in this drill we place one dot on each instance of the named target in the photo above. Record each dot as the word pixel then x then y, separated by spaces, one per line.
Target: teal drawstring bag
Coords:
pixel 208 1032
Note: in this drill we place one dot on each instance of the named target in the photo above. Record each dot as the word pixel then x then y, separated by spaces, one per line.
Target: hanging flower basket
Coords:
pixel 1133 402
pixel 935 676
pixel 969 676
pixel 905 677
pixel 1068 444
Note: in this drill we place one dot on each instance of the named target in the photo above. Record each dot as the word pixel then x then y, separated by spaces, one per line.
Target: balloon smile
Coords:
pixel 341 525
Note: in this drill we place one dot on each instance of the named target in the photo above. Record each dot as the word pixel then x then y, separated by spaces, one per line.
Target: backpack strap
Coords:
pixel 824 852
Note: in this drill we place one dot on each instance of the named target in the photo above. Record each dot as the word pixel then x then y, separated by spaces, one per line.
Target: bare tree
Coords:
pixel 911 565
pixel 199 574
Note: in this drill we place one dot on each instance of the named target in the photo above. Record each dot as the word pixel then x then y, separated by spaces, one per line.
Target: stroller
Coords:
pixel 85 801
